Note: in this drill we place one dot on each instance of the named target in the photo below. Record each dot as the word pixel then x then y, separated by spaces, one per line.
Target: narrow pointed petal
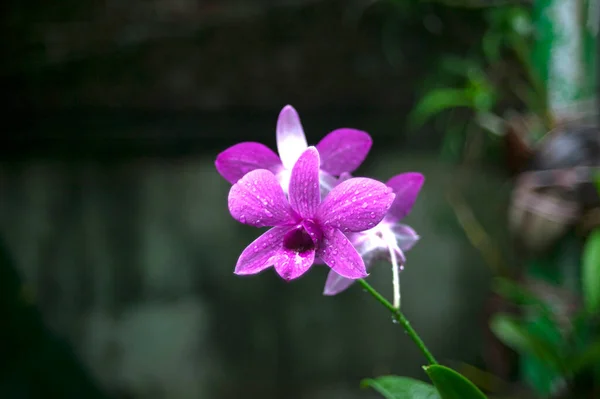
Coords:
pixel 338 253
pixel 357 204
pixel 336 284
pixel 399 256
pixel 343 150
pixel 258 200
pixel 291 141
pixel 406 186
pixel 291 264
pixel 262 252
pixel 406 237
pixel 236 161
pixel 304 192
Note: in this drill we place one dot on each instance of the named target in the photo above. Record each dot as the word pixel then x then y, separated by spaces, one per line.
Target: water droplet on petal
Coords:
pixel 267 213
pixel 364 205
pixel 242 219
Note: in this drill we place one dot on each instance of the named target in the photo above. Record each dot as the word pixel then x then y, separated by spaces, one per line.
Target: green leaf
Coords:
pixel 491 122
pixel 452 385
pixel 590 277
pixel 393 387
pixel 588 357
pixel 483 100
pixel 514 334
pixel 518 294
pixel 492 44
pixel 597 182
pixel 460 66
pixel 437 101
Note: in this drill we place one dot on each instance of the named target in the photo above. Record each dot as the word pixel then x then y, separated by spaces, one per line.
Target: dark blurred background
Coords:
pixel 117 246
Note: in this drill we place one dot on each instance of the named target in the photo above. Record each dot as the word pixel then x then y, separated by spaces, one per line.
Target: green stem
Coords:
pixel 399 316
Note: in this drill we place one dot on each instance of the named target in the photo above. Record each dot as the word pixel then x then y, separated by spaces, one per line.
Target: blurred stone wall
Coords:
pixel 203 54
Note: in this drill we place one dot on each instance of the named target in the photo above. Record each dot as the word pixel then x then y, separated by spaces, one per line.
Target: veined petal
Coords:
pixel 291 264
pixel 257 199
pixel 291 141
pixel 262 252
pixel 343 150
pixel 336 283
pixel 236 161
pixel 406 237
pixel 357 204
pixel 304 192
pixel 338 253
pixel 406 186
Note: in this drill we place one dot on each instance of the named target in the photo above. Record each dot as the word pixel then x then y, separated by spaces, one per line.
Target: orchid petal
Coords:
pixel 400 256
pixel 314 232
pixel 304 192
pixel 257 199
pixel 406 186
pixel 291 141
pixel 343 150
pixel 357 204
pixel 291 264
pixel 338 253
pixel 406 237
pixel 236 161
pixel 326 182
pixel 343 177
pixel 336 283
pixel 262 252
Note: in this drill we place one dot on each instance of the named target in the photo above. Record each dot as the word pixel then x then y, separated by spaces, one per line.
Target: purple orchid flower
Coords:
pixel 342 150
pixel 303 227
pixel 387 237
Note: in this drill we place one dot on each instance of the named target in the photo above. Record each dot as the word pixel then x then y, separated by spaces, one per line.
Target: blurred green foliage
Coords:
pixel 591 272
pixel 492 80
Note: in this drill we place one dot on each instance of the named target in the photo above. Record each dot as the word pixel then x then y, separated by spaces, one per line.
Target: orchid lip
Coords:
pixel 298 240
pixel 306 236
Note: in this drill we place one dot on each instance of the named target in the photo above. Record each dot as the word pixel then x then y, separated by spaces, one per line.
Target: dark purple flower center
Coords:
pixel 298 240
